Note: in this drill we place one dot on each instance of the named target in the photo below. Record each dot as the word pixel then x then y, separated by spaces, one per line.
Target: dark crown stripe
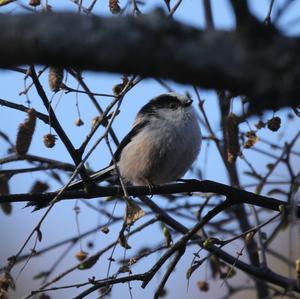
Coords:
pixel 162 101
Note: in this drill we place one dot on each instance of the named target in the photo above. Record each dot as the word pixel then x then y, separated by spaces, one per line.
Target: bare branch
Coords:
pixel 248 63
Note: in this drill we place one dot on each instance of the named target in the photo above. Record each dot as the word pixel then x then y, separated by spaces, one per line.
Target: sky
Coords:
pixel 61 222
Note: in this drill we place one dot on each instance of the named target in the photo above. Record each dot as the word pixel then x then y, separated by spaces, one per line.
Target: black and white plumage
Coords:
pixel 162 145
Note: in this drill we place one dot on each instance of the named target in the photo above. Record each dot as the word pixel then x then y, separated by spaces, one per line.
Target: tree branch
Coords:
pixel 235 194
pixel 156 46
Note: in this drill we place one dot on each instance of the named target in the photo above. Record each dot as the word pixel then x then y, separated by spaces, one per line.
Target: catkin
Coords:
pixel 232 137
pixel 25 132
pixel 55 78
pixel 114 6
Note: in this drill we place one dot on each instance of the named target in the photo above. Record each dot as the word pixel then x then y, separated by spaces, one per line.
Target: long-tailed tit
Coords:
pixel 162 145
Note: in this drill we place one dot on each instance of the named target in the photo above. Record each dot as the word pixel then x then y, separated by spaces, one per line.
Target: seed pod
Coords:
pixel 81 255
pixel 79 122
pixel 232 137
pixel 25 132
pixel 274 123
pixel 55 78
pixel 49 140
pixel 105 230
pixel 203 286
pixel 114 6
pixel 34 2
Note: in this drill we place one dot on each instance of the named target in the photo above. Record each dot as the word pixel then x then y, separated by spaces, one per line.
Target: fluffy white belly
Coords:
pixel 161 154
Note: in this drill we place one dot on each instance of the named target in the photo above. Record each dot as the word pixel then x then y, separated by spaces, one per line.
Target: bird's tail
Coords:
pixel 97 177
pixel 104 174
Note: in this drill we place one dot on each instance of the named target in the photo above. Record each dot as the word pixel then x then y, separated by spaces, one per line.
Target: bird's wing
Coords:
pixel 107 172
pixel 104 173
pixel 133 132
pixel 99 176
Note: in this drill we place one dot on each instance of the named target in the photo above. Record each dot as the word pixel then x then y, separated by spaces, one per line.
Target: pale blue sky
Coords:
pixel 61 221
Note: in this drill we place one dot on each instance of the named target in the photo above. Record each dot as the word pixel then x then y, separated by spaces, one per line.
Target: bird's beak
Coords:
pixel 188 103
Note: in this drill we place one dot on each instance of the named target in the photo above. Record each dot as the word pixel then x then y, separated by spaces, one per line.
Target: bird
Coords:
pixel 161 146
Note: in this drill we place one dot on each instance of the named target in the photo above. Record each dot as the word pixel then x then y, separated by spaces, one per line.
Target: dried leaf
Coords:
pixel 133 212
pixel 41 275
pixel 118 88
pixel 89 263
pixel 252 139
pixel 39 234
pixel 123 242
pixel 56 177
pixel 194 267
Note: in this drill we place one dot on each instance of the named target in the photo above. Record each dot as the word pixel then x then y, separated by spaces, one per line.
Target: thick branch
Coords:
pixel 264 66
pixel 235 194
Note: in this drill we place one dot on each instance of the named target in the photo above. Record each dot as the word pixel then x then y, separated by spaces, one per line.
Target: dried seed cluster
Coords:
pixel 49 140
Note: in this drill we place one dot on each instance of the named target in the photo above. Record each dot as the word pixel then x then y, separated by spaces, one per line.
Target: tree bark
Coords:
pixel 263 64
